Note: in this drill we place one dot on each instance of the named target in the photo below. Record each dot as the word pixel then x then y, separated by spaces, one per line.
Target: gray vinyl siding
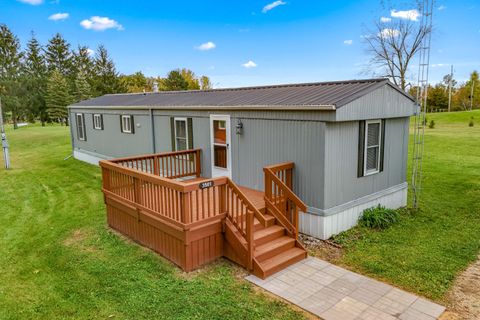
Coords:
pixel 267 142
pixel 110 141
pixel 385 102
pixel 341 155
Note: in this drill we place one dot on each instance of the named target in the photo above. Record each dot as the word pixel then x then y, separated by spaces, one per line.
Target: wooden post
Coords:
pixel 185 207
pixel 156 170
pixel 250 239
pixel 198 163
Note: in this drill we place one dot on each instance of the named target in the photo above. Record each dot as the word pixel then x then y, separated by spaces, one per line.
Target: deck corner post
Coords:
pixel 185 207
pixel 250 239
pixel 198 163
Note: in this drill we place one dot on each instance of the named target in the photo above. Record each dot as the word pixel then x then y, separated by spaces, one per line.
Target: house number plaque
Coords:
pixel 206 184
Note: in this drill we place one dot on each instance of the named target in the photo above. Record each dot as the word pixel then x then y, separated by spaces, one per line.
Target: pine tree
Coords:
pixel 58 56
pixel 35 70
pixel 10 71
pixel 106 76
pixel 57 97
pixel 82 87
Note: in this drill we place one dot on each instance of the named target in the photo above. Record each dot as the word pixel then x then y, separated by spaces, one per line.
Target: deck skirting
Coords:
pixel 323 224
pixel 88 157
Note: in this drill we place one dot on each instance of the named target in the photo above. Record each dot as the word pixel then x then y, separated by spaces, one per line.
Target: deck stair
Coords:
pixel 274 248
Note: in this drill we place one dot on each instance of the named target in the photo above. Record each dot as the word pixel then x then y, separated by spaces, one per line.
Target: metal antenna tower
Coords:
pixel 422 91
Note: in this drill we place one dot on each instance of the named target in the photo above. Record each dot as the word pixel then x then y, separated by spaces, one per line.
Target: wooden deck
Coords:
pixel 164 203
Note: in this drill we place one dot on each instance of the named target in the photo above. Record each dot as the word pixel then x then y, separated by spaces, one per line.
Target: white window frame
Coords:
pixel 175 132
pixel 220 127
pixel 97 121
pixel 366 147
pixel 129 119
pixel 82 117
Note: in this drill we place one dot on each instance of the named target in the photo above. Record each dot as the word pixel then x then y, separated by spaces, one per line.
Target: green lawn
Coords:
pixel 427 249
pixel 58 259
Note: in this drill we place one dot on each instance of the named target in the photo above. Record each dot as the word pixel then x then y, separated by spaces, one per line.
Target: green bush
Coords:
pixel 378 217
pixel 431 125
pixel 470 124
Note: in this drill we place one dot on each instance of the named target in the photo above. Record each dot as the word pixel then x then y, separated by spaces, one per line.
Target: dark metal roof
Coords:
pixel 320 95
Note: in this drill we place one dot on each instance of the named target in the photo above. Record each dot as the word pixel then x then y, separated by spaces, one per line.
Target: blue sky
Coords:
pixel 244 42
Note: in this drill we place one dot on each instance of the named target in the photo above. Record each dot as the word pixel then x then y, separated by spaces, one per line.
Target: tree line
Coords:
pixel 464 96
pixel 40 81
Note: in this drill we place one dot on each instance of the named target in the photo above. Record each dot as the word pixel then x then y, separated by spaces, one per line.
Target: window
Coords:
pixel 81 127
pixel 126 124
pixel 181 134
pixel 97 122
pixel 373 137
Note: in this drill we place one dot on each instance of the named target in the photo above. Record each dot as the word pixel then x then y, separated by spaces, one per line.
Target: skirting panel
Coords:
pixel 325 226
pixel 189 249
pixel 87 157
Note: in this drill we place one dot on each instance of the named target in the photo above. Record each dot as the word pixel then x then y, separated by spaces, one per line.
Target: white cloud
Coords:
pixel 385 19
pixel 32 2
pixel 442 7
pixel 206 46
pixel 348 42
pixel 249 64
pixel 406 14
pixel 59 16
pixel 100 24
pixel 387 33
pixel 273 5
pixel 90 52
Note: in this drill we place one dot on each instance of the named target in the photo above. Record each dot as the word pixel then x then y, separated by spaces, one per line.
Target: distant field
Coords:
pixel 59 261
pixel 428 248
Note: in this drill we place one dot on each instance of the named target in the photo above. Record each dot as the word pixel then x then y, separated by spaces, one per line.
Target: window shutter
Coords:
pixel 121 124
pixel 190 133
pixel 93 120
pixel 132 125
pixel 172 128
pixel 382 145
pixel 84 127
pixel 101 121
pixel 361 148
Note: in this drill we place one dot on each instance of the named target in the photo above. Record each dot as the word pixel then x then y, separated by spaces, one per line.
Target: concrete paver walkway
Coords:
pixel 331 292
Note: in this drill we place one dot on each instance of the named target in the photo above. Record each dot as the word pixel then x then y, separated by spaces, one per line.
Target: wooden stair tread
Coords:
pixel 271 245
pixel 266 231
pixel 282 260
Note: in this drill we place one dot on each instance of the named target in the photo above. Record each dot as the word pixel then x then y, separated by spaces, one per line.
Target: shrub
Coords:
pixel 470 124
pixel 431 125
pixel 378 217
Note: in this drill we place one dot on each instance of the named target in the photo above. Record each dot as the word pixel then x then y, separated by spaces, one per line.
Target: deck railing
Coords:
pixel 279 197
pixel 172 165
pixel 138 183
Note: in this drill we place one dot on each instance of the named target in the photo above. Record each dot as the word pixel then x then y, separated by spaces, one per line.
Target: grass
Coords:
pixel 58 259
pixel 426 249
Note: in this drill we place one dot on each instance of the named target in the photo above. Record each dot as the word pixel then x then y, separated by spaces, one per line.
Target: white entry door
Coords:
pixel 220 146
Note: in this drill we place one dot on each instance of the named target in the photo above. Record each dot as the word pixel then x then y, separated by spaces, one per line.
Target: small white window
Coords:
pixel 373 137
pixel 221 125
pixel 81 127
pixel 127 124
pixel 181 134
pixel 97 122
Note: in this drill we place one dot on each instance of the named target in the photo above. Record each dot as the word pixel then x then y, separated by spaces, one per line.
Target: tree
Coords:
pixel 437 97
pixel 82 87
pixel 392 46
pixel 175 81
pixel 191 79
pixel 136 82
pixel 106 78
pixel 10 70
pixel 35 70
pixel 57 97
pixel 205 83
pixel 58 56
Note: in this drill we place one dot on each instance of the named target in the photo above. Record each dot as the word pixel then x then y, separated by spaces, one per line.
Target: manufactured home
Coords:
pixel 345 143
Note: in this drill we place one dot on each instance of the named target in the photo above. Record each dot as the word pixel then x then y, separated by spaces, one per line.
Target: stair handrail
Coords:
pixel 273 181
pixel 251 212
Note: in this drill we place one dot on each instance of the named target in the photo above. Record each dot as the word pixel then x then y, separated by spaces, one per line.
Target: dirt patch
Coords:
pixel 79 239
pixel 323 249
pixel 463 300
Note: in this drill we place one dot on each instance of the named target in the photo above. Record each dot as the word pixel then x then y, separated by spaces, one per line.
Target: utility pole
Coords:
pixel 6 157
pixel 450 88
